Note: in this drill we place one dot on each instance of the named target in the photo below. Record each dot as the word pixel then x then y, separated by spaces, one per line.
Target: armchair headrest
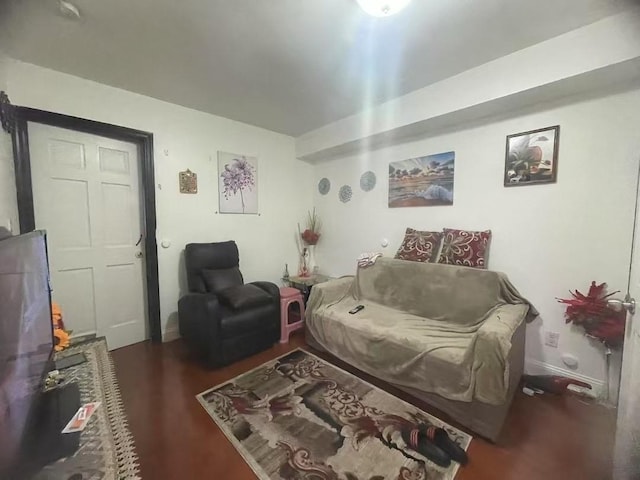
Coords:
pixel 208 256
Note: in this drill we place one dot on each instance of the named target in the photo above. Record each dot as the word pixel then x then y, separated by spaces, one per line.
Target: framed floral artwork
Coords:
pixel 532 157
pixel 237 183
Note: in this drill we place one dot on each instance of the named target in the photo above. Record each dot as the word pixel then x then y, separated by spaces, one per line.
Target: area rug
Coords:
pixel 106 445
pixel 299 417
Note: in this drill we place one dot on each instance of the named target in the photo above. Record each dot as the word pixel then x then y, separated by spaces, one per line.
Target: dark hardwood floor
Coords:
pixel 545 437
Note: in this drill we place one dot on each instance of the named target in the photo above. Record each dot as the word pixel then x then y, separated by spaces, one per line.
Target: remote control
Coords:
pixel 356 309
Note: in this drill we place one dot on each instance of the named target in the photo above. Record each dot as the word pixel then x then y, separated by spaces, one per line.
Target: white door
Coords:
pixel 86 195
pixel 627 448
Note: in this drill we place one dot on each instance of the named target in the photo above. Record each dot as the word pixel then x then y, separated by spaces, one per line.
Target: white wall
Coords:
pixel 186 138
pixel 548 239
pixel 8 206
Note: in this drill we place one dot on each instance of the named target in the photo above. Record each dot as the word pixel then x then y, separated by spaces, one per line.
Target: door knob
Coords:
pixel 139 255
pixel 628 304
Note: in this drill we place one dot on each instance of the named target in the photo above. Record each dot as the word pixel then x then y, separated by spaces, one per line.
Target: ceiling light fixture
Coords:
pixel 382 8
pixel 68 9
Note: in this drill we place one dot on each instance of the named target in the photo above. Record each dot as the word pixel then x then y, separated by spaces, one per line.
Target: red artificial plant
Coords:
pixel 595 316
pixel 311 235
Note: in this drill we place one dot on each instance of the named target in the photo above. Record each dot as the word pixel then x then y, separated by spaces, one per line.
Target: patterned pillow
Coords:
pixel 462 247
pixel 419 246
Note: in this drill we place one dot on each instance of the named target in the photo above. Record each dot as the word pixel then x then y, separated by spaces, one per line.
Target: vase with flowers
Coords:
pixel 598 319
pixel 307 241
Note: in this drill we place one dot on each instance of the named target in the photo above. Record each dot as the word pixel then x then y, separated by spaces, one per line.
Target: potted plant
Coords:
pixel 309 239
pixel 598 319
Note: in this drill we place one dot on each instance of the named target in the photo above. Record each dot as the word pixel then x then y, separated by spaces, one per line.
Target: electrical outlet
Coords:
pixel 551 339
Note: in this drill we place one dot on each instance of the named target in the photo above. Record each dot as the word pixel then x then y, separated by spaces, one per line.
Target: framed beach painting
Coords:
pixel 422 181
pixel 237 183
pixel 532 157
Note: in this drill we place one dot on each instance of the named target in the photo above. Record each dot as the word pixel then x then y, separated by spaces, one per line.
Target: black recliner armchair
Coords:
pixel 222 318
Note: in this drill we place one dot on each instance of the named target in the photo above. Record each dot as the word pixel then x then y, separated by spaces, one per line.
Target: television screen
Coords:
pixel 26 340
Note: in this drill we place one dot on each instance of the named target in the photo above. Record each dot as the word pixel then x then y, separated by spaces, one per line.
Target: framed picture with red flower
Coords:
pixel 532 157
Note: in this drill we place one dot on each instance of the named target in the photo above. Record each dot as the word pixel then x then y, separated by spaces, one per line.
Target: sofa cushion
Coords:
pixel 419 246
pixel 392 345
pixel 465 248
pixel 455 361
pixel 447 293
pixel 222 278
pixel 243 297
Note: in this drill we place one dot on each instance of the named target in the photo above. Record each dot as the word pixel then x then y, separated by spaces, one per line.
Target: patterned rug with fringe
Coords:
pixel 106 450
pixel 298 417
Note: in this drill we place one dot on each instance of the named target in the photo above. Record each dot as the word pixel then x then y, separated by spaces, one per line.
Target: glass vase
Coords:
pixel 303 269
pixel 311 262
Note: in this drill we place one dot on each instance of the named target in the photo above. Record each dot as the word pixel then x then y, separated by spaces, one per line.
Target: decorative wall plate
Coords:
pixel 345 193
pixel 368 181
pixel 324 185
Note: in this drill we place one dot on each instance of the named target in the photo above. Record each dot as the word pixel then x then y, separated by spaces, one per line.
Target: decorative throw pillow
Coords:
pixel 465 248
pixel 242 297
pixel 419 246
pixel 221 278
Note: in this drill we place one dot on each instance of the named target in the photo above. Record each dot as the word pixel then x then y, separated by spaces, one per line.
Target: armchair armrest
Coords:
pixel 491 352
pixel 329 292
pixel 271 288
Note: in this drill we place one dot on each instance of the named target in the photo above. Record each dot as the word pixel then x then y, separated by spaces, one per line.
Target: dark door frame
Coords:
pixel 18 118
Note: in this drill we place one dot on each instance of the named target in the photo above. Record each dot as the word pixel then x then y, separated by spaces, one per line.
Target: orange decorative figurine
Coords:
pixel 60 335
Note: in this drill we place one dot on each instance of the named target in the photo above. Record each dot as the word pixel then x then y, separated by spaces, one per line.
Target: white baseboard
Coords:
pixel 536 367
pixel 171 335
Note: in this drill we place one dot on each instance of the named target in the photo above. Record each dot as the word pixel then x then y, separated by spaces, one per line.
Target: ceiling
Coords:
pixel 286 65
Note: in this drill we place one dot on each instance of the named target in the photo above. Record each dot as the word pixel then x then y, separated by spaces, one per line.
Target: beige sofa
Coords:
pixel 451 336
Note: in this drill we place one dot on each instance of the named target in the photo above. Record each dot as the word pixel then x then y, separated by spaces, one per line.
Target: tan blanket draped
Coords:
pixel 437 328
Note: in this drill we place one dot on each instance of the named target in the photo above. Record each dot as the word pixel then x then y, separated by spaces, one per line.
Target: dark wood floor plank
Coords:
pixel 546 437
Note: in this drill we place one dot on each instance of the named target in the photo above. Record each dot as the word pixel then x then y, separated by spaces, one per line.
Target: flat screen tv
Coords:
pixel 26 339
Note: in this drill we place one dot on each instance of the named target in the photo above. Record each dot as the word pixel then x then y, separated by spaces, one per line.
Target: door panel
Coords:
pixel 121 279
pixel 69 201
pixel 63 154
pixel 627 451
pixel 74 288
pixel 86 195
pixel 117 215
pixel 627 445
pixel 114 161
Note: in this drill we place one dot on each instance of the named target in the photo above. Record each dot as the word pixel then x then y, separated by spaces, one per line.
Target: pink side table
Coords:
pixel 289 296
